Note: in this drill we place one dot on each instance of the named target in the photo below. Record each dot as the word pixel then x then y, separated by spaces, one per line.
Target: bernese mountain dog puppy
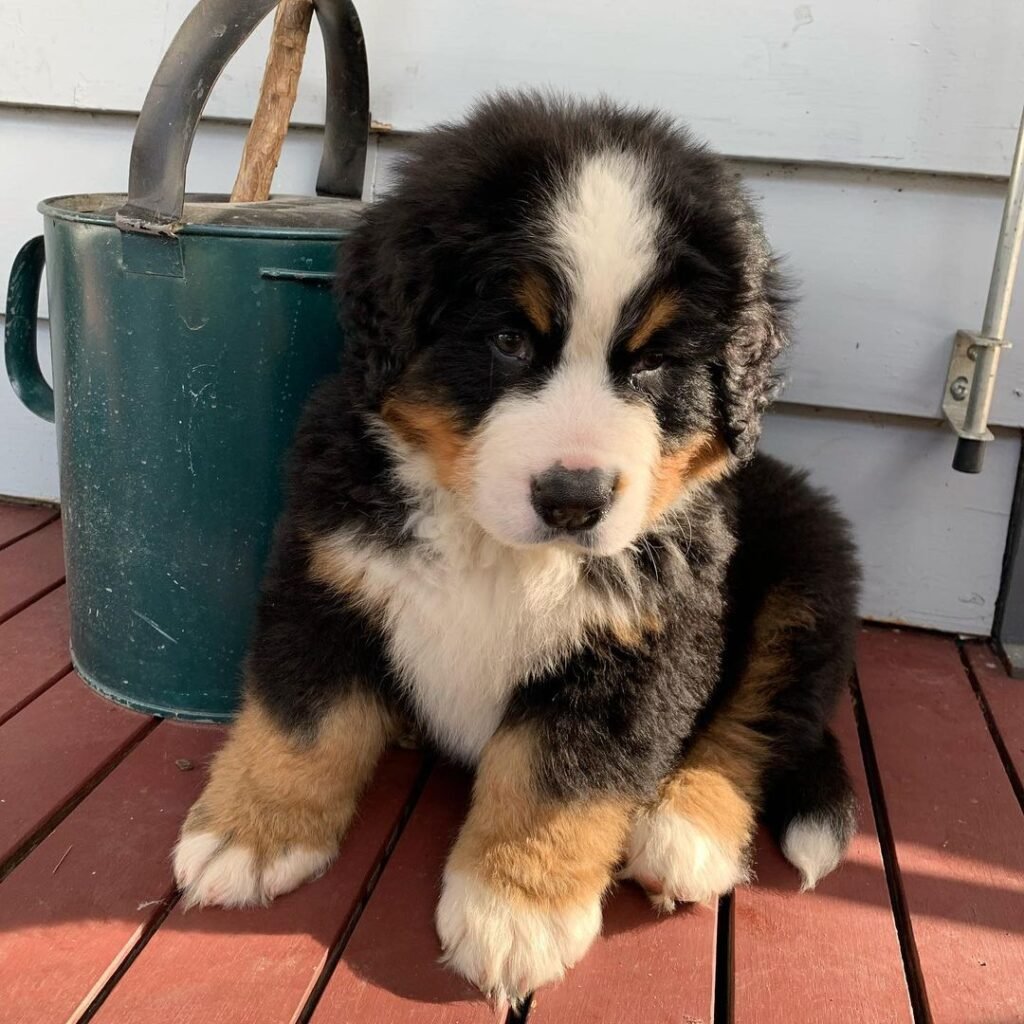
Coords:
pixel 527 517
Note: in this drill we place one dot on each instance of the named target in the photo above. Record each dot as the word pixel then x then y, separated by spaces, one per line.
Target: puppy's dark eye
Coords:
pixel 512 344
pixel 647 362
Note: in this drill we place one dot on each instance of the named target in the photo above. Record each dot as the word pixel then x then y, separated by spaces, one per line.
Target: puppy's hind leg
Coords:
pixel 694 842
pixel 277 803
pixel 811 810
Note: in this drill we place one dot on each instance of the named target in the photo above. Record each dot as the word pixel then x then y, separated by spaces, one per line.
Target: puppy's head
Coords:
pixel 566 315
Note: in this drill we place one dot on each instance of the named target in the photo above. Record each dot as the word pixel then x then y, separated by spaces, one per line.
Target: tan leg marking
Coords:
pixel 276 805
pixel 522 891
pixel 693 844
pixel 701 460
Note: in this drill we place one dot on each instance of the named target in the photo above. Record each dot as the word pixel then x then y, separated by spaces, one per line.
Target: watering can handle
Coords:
pixel 206 41
pixel 22 319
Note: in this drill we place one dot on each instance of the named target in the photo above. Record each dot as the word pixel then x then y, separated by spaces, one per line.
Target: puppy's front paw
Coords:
pixel 677 860
pixel 508 945
pixel 211 869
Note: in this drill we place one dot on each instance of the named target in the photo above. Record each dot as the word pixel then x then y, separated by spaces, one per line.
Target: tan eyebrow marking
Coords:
pixel 664 308
pixel 535 298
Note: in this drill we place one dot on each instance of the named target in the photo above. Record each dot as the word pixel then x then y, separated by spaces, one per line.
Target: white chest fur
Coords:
pixel 469 620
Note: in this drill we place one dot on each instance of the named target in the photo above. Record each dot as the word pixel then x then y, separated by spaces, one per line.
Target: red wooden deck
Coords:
pixel 924 923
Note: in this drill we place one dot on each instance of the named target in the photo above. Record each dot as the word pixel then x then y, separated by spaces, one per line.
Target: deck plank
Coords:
pixel 829 955
pixel 33 651
pixel 643 967
pixel 958 832
pixel 51 749
pixel 216 966
pixel 29 568
pixel 76 905
pixel 18 520
pixel 389 971
pixel 1005 699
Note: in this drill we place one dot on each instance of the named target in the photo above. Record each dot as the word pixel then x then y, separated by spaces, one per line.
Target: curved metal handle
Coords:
pixel 22 315
pixel 206 41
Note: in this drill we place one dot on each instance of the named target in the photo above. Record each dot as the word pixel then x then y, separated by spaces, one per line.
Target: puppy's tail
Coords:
pixel 811 810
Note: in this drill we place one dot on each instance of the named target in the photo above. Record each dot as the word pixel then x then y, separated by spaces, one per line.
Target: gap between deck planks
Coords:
pixel 29 568
pixel 51 752
pixel 73 909
pixel 17 521
pixel 831 955
pixel 33 651
pixel 1002 703
pixel 956 825
pixel 215 966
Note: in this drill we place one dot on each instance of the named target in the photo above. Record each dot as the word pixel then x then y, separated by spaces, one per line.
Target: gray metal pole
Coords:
pixel 969 449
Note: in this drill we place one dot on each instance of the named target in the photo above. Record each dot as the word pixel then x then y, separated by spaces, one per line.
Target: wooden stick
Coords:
pixel 277 97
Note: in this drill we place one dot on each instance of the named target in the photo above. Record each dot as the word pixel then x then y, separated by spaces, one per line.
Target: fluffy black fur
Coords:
pixel 430 271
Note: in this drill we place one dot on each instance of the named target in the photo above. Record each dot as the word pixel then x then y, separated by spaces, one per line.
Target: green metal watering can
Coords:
pixel 186 335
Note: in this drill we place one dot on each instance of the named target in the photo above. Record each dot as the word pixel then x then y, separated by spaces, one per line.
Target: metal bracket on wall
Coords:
pixel 962 380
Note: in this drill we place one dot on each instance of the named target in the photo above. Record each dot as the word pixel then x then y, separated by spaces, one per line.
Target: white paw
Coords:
pixel 210 871
pixel 505 947
pixel 676 860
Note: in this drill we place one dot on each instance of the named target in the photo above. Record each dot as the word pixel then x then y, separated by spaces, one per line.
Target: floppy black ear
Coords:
pixel 748 379
pixel 382 292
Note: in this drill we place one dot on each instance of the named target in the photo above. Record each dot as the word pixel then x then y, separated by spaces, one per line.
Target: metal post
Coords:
pixel 983 349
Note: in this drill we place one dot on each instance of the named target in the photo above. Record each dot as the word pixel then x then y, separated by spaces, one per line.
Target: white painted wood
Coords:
pixel 905 83
pixel 888 265
pixel 887 268
pixel 28 445
pixel 931 539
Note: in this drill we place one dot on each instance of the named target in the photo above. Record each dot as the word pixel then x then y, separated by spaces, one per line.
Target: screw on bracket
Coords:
pixel 959 388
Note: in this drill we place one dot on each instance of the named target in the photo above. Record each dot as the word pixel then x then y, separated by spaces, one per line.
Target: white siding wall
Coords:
pixel 836 100
pixel 920 84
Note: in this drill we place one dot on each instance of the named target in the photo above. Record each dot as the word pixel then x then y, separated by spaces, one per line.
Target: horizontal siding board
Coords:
pixel 769 79
pixel 931 540
pixel 886 268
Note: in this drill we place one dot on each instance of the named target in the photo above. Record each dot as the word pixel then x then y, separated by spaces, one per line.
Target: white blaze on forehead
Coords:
pixel 604 232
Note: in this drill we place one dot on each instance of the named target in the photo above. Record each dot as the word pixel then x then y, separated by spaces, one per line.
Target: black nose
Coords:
pixel 572 499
